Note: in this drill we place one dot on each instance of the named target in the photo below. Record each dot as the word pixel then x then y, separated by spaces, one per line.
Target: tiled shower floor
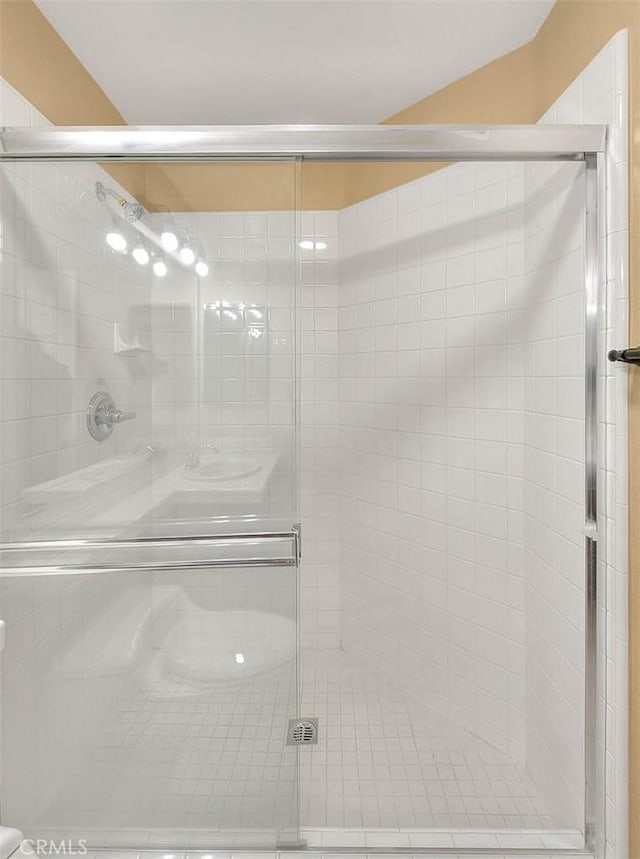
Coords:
pixel 385 761
pixel 188 763
pixel 216 762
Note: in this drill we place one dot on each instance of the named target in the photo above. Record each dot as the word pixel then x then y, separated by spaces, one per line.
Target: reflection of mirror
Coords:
pixel 235 316
pixel 234 368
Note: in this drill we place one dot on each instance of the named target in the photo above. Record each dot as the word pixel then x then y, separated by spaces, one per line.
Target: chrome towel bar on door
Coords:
pixel 154 554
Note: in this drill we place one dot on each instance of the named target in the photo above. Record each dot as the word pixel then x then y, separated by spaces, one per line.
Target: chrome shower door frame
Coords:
pixel 389 143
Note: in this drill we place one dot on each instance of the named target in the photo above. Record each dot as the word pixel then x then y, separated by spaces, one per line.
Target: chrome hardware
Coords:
pixel 302 732
pixel 114 416
pixel 625 356
pixel 193 456
pixel 297 530
pixel 311 142
pixel 193 460
pixel 102 415
pixel 250 549
pixel 132 212
pixel 148 449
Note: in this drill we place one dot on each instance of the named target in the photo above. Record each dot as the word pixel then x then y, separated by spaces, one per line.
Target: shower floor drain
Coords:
pixel 302 732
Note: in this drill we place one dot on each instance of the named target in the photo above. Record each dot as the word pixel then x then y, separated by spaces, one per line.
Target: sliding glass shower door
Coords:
pixel 452 598
pixel 148 459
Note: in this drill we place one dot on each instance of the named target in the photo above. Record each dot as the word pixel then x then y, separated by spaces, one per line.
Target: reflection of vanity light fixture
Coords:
pixel 159 268
pixel 239 658
pixel 187 256
pixel 255 333
pixel 169 241
pixel 255 312
pixel 231 314
pixel 309 245
pixel 140 255
pixel 137 218
pixel 117 241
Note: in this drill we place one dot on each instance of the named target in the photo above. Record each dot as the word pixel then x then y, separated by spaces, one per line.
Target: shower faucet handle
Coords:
pixel 115 416
pixel 102 416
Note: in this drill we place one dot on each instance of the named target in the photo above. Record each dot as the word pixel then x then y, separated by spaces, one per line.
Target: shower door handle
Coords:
pixel 625 356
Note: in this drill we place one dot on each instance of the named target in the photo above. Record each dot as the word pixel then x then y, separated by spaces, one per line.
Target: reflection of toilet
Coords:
pixel 10 840
pixel 218 646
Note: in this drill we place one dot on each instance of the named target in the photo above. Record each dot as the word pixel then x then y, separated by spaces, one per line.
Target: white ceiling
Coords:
pixel 281 61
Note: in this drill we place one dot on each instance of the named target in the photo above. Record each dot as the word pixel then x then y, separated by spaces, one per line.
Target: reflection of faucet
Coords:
pixel 193 460
pixel 193 456
pixel 148 449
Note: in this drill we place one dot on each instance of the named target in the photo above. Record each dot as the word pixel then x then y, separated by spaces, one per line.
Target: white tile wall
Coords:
pixel 462 513
pixel 431 402
pixel 321 453
pixel 553 494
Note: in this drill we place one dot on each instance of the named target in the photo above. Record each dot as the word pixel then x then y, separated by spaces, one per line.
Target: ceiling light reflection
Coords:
pixel 311 245
pixel 116 241
pixel 159 268
pixel 187 256
pixel 169 241
pixel 140 255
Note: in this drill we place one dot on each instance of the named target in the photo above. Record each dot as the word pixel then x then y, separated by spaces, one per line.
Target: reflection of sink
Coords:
pixel 223 468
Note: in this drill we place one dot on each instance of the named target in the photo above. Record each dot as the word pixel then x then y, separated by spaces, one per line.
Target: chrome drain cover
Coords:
pixel 302 732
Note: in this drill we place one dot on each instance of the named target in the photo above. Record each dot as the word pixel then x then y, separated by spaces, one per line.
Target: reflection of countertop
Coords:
pixel 122 491
pixel 91 478
pixel 176 487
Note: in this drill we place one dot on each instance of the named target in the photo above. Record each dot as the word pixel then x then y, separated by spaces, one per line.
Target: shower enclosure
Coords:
pixel 172 373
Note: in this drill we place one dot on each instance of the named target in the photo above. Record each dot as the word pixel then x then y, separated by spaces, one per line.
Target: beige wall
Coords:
pixel 516 88
pixel 35 60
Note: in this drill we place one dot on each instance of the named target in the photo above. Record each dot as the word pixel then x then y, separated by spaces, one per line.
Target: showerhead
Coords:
pixel 132 212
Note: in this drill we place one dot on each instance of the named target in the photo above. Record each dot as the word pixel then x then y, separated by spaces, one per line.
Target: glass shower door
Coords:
pixel 149 555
